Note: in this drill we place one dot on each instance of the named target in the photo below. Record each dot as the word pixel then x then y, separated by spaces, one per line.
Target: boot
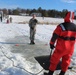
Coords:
pixel 62 73
pixel 32 42
pixel 49 73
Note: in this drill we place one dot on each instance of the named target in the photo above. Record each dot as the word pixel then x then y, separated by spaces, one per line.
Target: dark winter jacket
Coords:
pixel 32 23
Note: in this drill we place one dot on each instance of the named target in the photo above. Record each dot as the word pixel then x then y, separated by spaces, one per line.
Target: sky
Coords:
pixel 35 4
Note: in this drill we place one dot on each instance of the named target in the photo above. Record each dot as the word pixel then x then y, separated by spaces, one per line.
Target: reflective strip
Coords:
pixel 63 28
pixel 71 16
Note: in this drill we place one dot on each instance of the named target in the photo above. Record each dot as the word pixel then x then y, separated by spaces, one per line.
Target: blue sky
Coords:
pixel 44 4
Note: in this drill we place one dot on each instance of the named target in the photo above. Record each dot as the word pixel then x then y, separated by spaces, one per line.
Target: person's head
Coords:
pixel 33 15
pixel 69 17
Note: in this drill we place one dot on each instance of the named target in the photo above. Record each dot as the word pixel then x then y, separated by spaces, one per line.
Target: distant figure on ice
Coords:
pixel 10 19
pixel 64 35
pixel 7 20
pixel 1 16
pixel 32 25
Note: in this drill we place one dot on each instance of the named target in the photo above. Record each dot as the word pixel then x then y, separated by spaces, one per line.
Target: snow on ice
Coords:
pixel 15 64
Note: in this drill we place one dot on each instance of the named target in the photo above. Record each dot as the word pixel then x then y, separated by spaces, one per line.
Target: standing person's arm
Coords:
pixel 36 21
pixel 30 23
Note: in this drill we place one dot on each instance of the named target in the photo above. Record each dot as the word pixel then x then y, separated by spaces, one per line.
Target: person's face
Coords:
pixel 34 16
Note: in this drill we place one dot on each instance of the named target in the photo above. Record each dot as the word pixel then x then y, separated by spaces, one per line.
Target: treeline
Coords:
pixel 44 12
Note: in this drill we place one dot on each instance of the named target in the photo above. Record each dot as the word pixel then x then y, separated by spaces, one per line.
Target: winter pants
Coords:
pixel 32 34
pixel 55 59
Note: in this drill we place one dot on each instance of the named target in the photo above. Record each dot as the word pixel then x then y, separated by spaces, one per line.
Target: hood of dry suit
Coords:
pixel 69 17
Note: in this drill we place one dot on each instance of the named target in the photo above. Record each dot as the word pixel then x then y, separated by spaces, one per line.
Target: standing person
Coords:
pixel 10 19
pixel 64 36
pixel 1 17
pixel 32 25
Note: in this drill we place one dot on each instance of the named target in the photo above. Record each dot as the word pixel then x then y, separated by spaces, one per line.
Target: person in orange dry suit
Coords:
pixel 64 35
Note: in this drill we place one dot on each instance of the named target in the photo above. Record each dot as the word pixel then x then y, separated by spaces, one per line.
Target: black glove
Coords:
pixel 52 46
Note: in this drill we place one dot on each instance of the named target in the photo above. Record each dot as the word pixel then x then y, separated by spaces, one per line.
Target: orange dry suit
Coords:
pixel 64 36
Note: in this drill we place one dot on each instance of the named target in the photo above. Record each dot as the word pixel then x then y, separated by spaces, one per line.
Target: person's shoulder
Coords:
pixel 31 19
pixel 60 24
pixel 36 20
pixel 73 23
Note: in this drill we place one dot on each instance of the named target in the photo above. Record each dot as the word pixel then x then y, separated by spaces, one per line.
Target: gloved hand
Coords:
pixel 52 46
